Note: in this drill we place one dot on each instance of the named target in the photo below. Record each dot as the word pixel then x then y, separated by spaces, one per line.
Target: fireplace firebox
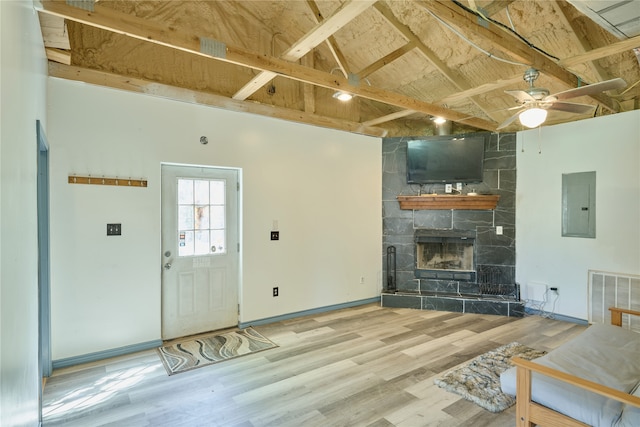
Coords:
pixel 445 254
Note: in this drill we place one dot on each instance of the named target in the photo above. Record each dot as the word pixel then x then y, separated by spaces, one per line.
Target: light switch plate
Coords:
pixel 114 229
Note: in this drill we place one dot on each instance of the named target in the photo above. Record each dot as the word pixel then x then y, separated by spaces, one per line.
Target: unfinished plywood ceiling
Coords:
pixel 405 62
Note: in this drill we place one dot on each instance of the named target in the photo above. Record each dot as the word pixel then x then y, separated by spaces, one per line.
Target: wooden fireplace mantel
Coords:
pixel 449 201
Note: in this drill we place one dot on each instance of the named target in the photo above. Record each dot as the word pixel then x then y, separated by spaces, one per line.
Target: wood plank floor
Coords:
pixel 362 366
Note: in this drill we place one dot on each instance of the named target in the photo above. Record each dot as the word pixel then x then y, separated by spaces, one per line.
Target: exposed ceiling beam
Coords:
pixel 478 90
pixel 459 82
pixel 132 84
pixel 153 32
pixel 331 43
pixel 309 92
pixel 389 117
pixel 313 38
pixel 490 8
pixel 58 55
pixel 54 31
pixel 602 52
pixel 579 38
pixel 506 41
pixel 387 59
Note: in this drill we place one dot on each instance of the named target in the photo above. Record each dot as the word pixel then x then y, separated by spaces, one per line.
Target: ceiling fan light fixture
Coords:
pixel 439 120
pixel 343 96
pixel 533 117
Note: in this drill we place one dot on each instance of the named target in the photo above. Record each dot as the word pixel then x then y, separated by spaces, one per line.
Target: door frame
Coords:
pixel 239 218
pixel 44 278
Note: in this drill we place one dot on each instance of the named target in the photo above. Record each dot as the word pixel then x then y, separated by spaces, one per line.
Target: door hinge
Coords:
pixel 238 247
pixel 237 186
pixel 238 309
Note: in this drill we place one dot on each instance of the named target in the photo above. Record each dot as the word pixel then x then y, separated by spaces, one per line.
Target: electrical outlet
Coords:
pixel 459 186
pixel 276 291
pixel 448 188
pixel 499 230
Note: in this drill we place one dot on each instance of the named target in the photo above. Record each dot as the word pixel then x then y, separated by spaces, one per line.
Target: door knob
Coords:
pixel 167 266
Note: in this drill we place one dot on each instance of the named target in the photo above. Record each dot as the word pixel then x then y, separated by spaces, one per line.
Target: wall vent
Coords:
pixel 608 289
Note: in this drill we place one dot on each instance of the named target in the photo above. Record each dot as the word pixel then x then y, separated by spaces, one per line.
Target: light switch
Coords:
pixel 114 229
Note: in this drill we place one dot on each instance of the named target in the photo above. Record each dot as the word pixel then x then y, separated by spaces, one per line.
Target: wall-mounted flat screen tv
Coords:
pixel 448 159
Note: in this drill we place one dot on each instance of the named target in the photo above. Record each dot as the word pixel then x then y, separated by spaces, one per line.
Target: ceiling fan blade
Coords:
pixel 590 89
pixel 508 121
pixel 571 107
pixel 520 95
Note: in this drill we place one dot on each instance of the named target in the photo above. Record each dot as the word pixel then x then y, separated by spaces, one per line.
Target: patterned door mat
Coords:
pixel 209 349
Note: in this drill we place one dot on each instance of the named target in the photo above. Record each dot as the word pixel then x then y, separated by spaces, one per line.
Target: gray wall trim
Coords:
pixel 308 312
pixel 534 312
pixel 105 354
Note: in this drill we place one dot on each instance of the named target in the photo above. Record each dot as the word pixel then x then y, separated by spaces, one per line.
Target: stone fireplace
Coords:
pixel 451 259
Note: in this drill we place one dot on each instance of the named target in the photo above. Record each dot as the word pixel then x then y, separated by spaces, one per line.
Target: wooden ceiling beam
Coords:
pixel 318 34
pixel 58 55
pixel 503 39
pixel 602 52
pixel 389 117
pixel 579 39
pixel 152 32
pixel 429 54
pixel 387 59
pixel 331 43
pixel 54 31
pixel 478 90
pixel 490 8
pixel 148 87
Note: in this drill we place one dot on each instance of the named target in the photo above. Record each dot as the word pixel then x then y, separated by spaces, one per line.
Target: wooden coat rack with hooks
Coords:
pixel 96 180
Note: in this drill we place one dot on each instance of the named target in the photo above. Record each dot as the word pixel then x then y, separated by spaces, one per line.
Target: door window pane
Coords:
pixel 185 217
pixel 201 192
pixel 201 217
pixel 185 191
pixel 185 243
pixel 217 217
pixel 217 240
pixel 217 192
pixel 201 242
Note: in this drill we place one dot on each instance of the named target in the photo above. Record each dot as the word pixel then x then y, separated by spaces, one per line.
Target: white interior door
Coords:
pixel 200 250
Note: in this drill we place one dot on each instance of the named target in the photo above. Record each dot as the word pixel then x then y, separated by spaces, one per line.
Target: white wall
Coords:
pixel 22 85
pixel 322 186
pixel 608 145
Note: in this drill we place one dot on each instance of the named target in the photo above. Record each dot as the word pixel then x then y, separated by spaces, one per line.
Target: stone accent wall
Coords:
pixel 495 254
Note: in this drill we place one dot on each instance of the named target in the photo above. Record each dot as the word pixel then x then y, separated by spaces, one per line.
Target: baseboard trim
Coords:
pixel 534 312
pixel 105 354
pixel 308 312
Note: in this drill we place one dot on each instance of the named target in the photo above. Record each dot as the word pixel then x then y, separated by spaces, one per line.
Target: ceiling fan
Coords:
pixel 535 101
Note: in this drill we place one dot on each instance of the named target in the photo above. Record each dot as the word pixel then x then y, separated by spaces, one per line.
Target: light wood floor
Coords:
pixel 363 366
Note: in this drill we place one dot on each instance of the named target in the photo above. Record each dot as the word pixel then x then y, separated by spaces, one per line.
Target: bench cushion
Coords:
pixel 604 354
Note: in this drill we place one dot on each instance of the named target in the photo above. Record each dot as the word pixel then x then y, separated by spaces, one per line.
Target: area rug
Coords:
pixel 479 380
pixel 209 349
